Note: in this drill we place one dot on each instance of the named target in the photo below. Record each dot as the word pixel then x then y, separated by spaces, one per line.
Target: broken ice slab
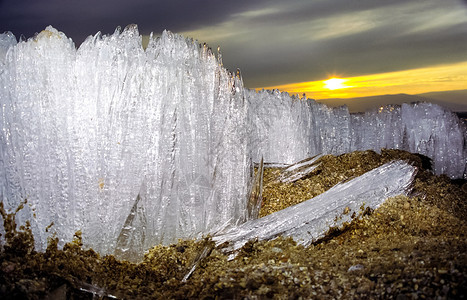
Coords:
pixel 255 195
pixel 308 221
pixel 272 165
pixel 299 170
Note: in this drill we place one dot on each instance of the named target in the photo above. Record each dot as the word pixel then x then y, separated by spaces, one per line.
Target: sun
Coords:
pixel 335 83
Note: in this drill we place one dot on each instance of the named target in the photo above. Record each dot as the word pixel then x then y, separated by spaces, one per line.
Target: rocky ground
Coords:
pixel 410 248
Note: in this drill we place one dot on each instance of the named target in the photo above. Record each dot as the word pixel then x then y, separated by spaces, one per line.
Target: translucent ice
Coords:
pixel 287 129
pixel 300 169
pixel 136 147
pixel 110 135
pixel 310 220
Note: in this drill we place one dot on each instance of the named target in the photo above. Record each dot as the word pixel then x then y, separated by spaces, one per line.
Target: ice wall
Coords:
pixel 423 128
pixel 87 132
pixel 287 129
pixel 136 147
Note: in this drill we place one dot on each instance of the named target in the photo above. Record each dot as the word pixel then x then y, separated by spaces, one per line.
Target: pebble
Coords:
pixel 357 267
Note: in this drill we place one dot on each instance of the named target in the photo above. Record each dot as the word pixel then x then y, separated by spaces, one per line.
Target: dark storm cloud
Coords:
pixel 79 19
pixel 272 41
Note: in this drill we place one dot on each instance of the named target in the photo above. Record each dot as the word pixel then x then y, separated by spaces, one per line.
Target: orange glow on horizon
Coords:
pixel 414 81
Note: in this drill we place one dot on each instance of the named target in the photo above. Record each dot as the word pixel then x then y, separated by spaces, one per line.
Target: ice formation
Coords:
pixel 136 147
pixel 94 135
pixel 310 220
pixel 287 129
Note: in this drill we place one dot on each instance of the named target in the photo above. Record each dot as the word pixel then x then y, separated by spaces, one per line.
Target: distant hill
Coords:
pixel 457 99
pixel 452 100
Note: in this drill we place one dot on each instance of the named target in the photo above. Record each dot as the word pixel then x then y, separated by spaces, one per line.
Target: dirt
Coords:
pixel 410 248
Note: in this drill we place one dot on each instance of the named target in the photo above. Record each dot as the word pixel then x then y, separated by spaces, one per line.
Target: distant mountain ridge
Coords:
pixel 455 100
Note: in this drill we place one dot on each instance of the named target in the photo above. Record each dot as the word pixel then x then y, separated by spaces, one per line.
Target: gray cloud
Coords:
pixel 403 35
pixel 274 42
pixel 78 19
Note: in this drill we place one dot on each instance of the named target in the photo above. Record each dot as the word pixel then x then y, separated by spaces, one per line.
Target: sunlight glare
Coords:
pixel 334 83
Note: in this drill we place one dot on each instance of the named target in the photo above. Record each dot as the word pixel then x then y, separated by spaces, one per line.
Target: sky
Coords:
pixel 372 46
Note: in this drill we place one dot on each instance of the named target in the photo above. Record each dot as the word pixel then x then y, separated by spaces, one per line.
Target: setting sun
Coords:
pixel 413 81
pixel 335 83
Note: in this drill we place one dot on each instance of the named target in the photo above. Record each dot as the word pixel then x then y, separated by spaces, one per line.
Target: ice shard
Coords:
pixel 299 170
pixel 136 147
pixel 310 220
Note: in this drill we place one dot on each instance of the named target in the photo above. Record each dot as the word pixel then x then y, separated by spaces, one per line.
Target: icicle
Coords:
pixel 219 56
